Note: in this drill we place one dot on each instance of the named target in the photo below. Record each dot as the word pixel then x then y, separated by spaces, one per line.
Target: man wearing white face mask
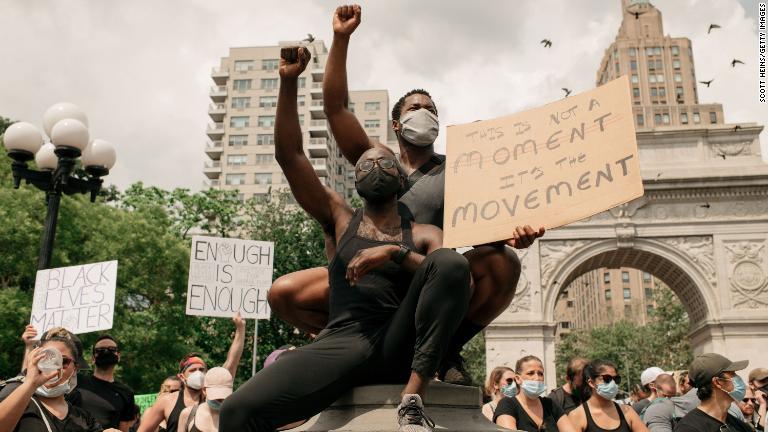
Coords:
pixel 36 403
pixel 301 298
pixel 204 417
pixel 529 411
pixel 192 370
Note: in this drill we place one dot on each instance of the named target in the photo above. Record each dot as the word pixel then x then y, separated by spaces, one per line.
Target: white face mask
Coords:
pixel 195 380
pixel 60 390
pixel 419 127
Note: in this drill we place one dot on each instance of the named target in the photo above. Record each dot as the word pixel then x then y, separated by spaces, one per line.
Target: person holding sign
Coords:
pixel 192 368
pixel 301 298
pixel 396 296
pixel 36 403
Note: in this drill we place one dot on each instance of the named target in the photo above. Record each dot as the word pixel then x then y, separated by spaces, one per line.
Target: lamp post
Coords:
pixel 67 127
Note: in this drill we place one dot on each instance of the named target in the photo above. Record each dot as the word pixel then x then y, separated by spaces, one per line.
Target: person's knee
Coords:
pixel 281 293
pixel 237 414
pixel 449 264
pixel 500 266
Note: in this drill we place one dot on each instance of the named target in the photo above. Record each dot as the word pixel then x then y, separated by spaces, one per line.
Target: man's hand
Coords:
pixel 523 237
pixel 34 375
pixel 28 337
pixel 761 397
pixel 239 322
pixel 346 19
pixel 366 260
pixel 293 61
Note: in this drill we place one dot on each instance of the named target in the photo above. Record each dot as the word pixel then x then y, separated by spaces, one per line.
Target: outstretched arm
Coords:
pixel 311 195
pixel 350 136
pixel 238 343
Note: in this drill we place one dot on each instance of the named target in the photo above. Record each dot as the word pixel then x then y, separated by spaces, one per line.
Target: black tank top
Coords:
pixel 378 293
pixel 172 423
pixel 191 420
pixel 593 427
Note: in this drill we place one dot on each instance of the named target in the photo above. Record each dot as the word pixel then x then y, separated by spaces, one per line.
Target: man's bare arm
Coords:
pixel 350 136
pixel 238 343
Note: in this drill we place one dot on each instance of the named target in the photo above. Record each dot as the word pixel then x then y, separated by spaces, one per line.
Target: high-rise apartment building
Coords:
pixel 241 144
pixel 660 68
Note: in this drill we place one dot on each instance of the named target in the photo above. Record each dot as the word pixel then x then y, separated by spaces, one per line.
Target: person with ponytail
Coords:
pixel 529 410
pixel 501 383
pixel 600 413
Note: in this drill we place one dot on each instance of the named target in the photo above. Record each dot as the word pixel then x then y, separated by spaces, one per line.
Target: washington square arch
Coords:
pixel 701 227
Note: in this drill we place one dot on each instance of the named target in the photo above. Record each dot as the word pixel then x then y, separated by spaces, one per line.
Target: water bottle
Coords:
pixel 51 362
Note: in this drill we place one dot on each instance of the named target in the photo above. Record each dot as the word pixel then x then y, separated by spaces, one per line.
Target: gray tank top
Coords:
pixel 423 198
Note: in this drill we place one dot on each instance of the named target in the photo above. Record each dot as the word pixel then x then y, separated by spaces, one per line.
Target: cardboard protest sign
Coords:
pixel 548 166
pixel 229 275
pixel 78 298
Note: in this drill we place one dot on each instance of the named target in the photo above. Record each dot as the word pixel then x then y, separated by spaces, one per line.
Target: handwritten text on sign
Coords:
pixel 78 298
pixel 549 166
pixel 229 275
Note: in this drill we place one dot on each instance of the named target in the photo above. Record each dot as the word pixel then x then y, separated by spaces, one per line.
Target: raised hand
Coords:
pixel 523 237
pixel 293 61
pixel 34 375
pixel 28 337
pixel 346 19
pixel 369 259
pixel 239 322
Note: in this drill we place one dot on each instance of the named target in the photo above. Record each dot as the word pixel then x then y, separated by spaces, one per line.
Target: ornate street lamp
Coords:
pixel 67 127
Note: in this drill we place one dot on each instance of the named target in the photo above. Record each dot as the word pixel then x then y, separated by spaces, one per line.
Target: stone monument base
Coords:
pixel 374 408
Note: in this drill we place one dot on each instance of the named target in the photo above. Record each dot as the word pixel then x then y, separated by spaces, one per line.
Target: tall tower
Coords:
pixel 660 68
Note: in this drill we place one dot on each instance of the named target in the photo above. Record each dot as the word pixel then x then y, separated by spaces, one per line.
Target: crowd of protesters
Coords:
pixel 709 396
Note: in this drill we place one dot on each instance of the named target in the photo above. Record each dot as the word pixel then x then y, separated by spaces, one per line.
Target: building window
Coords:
pixel 301 119
pixel 659 78
pixel 696 118
pixel 237 160
pixel 625 276
pixel 646 277
pixel 263 178
pixel 235 179
pixel 241 84
pixel 617 68
pixel 675 50
pixel 238 140
pixel 263 159
pixel 270 64
pixel 607 277
pixel 635 92
pixel 265 139
pixel 659 65
pixel 302 83
pixel 633 64
pixel 657 50
pixel 301 100
pixel 607 293
pixel 662 92
pixel 651 65
pixel 640 120
pixel 372 106
pixel 665 118
pixel 679 92
pixel 678 77
pixel 243 65
pixel 676 64
pixel 239 122
pixel 633 52
pixel 652 78
pixel 634 79
pixel 352 107
pixel 627 293
pixel 657 119
pixel 374 123
pixel 266 121
pixel 627 310
pixel 713 117
pixel 654 92
pixel 648 293
pixel 684 118
pixel 649 51
pixel 269 83
pixel 241 102
pixel 268 101
pixel 569 303
pixel 565 325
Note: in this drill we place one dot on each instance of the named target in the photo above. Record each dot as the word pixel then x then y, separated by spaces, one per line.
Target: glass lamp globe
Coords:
pixel 99 154
pixel 61 111
pixel 22 139
pixel 46 158
pixel 70 133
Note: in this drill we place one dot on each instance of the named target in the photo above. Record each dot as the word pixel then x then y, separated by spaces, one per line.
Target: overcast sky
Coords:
pixel 141 68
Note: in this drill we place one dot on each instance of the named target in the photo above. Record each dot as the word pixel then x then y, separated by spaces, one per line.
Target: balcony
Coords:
pixel 217 111
pixel 316 109
pixel 212 169
pixel 318 129
pixel 320 166
pixel 218 93
pixel 212 184
pixel 214 150
pixel 316 89
pixel 215 131
pixel 220 76
pixel 318 147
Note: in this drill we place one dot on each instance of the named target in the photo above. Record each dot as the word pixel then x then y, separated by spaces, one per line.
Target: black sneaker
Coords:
pixel 452 371
pixel 411 417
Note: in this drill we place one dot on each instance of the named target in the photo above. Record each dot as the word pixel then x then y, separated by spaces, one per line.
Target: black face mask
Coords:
pixel 106 359
pixel 378 186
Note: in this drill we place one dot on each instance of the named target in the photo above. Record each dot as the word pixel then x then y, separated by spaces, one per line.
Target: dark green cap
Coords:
pixel 709 365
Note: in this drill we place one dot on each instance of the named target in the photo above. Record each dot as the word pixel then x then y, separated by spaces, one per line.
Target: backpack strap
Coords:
pixel 42 414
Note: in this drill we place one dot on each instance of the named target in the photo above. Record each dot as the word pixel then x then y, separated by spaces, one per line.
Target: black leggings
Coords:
pixel 308 379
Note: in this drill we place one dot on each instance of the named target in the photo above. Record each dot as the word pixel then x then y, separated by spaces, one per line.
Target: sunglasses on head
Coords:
pixel 383 163
pixel 608 378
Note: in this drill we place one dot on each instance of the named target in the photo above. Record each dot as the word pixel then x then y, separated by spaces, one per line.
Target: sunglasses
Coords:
pixel 383 163
pixel 609 378
pixel 66 361
pixel 105 350
pixel 753 400
pixel 510 381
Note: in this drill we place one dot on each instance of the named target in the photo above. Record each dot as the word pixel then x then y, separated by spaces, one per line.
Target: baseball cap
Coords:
pixel 709 365
pixel 649 375
pixel 758 374
pixel 218 383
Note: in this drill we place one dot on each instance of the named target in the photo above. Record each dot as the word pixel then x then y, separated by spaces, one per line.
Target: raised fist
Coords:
pixel 346 19
pixel 293 61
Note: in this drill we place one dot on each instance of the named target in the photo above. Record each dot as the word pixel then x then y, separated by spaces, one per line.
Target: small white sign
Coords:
pixel 78 298
pixel 228 275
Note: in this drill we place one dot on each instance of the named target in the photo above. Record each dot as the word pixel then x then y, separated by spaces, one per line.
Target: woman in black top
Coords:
pixel 600 413
pixel 529 411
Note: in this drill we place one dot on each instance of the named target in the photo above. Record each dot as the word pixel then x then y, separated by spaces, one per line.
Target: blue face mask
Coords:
pixel 533 389
pixel 739 389
pixel 214 404
pixel 509 390
pixel 608 390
